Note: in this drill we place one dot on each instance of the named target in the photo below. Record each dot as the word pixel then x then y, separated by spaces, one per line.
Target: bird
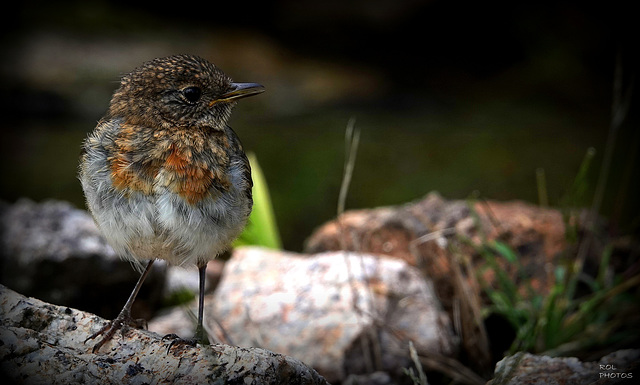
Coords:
pixel 164 175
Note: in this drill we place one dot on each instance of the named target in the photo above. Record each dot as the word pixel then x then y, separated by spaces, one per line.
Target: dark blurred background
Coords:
pixel 461 97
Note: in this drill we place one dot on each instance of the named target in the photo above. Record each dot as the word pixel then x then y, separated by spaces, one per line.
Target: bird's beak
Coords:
pixel 239 90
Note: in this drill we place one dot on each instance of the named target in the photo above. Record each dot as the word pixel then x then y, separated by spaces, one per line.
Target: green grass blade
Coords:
pixel 506 251
pixel 262 229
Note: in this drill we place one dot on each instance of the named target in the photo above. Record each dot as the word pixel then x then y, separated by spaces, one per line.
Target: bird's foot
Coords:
pixel 122 322
pixel 199 338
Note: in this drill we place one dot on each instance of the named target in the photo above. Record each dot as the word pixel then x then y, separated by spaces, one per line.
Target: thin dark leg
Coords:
pixel 136 289
pixel 201 335
pixel 124 318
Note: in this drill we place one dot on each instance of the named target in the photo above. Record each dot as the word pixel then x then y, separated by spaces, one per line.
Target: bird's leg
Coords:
pixel 200 336
pixel 123 319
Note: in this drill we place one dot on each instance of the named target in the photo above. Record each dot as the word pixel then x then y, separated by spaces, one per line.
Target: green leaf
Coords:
pixel 261 229
pixel 506 251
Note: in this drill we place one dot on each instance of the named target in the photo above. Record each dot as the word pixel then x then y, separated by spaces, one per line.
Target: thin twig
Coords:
pixel 352 139
pixel 467 314
pixel 422 378
pixel 541 182
pixel 222 336
pixel 373 362
pixel 453 368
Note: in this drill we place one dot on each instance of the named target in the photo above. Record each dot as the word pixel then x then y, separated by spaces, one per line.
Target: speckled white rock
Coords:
pixel 319 308
pixel 528 369
pixel 42 343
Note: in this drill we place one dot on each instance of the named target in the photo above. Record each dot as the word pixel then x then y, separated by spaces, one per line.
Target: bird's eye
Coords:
pixel 192 94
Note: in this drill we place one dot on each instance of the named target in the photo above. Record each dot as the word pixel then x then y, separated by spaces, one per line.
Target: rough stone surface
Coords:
pixel 42 343
pixel 341 313
pixel 375 378
pixel 421 232
pixel 175 320
pixel 449 242
pixel 54 252
pixel 525 368
pixel 185 279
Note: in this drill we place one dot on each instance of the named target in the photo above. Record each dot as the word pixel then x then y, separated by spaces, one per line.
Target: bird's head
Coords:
pixel 178 91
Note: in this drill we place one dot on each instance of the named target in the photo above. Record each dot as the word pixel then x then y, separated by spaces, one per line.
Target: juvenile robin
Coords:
pixel 163 174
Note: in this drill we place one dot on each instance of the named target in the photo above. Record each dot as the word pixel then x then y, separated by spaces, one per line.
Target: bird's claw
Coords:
pixel 177 340
pixel 122 322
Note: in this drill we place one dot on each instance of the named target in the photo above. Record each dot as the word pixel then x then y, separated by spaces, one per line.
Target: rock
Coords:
pixel 448 240
pixel 387 230
pixel 181 290
pixel 185 279
pixel 55 252
pixel 375 378
pixel 421 232
pixel 41 343
pixel 525 368
pixel 175 320
pixel 181 278
pixel 341 313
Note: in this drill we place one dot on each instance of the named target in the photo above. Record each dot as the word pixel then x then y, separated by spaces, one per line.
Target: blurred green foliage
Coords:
pixel 562 321
pixel 559 323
